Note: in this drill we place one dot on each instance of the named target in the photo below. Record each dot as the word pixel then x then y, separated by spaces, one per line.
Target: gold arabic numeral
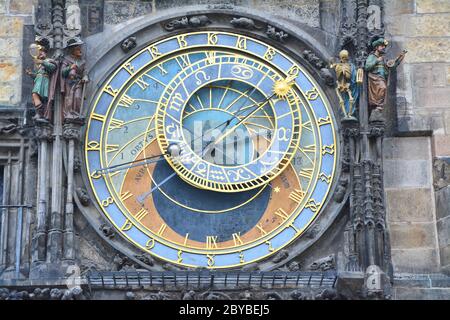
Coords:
pixel 127 225
pixel 293 72
pixel 180 259
pixel 176 102
pixel 182 41
pixel 98 117
pixel 313 205
pixel 141 83
pixel 328 150
pixel 325 178
pixel 271 249
pixel 112 148
pixel 270 54
pixel 154 51
pixel 125 101
pixel 150 244
pixel 93 146
pixel 237 239
pixel 282 214
pixel 162 229
pixel 129 67
pixel 241 43
pixel 312 94
pixel 110 90
pixel 241 257
pixel 211 261
pixel 115 124
pixel 261 229
pixel 141 214
pixel 297 195
pixel 125 195
pixel 212 38
pixel 324 121
pixel 107 201
pixel 211 242
pixel 210 57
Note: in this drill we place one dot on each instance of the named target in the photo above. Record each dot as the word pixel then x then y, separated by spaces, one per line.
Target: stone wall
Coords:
pixel 303 11
pixel 13 15
pixel 423 107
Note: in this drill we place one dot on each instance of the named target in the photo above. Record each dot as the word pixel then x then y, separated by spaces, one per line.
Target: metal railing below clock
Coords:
pixel 210 279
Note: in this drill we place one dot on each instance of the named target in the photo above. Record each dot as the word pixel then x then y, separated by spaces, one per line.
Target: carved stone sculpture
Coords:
pixel 244 23
pixel 378 70
pixel 348 83
pixel 74 77
pixel 42 74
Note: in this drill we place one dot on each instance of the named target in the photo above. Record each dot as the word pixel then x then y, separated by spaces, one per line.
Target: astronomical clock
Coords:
pixel 210 149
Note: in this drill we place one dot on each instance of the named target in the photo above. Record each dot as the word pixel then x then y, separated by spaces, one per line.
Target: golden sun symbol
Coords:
pixel 281 88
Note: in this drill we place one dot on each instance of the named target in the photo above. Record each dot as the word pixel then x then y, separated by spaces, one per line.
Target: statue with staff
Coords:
pixel 73 80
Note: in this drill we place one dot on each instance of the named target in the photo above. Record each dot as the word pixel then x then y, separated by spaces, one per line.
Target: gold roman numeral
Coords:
pixel 211 242
pixel 237 239
pixel 141 83
pixel 115 124
pixel 125 101
pixel 282 214
pixel 124 196
pixel 141 214
pixel 162 229
pixel 112 147
pixel 297 195
pixel 98 117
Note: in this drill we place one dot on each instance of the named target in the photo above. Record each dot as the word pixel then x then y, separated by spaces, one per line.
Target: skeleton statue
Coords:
pixel 348 83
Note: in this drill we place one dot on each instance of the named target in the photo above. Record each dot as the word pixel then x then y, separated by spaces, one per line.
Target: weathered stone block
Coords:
pixel 436 25
pixel 415 260
pixel 120 11
pixel 445 257
pixel 443 227
pixel 11 27
pixel 427 49
pixel 412 235
pixel 10 69
pixel 443 203
pixel 396 8
pixel 421 294
pixel 409 205
pixel 441 145
pixel 10 47
pixel 9 94
pixel 432 97
pixel 22 6
pixel 415 148
pixel 432 6
pixel 427 75
pixel 407 173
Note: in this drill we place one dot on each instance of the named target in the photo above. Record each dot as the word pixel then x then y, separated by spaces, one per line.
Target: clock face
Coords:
pixel 211 149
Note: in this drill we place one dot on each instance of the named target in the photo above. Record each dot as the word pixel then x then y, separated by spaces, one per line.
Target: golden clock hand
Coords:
pixel 173 150
pixel 227 133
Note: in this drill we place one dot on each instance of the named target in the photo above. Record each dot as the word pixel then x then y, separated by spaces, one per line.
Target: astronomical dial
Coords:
pixel 211 149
